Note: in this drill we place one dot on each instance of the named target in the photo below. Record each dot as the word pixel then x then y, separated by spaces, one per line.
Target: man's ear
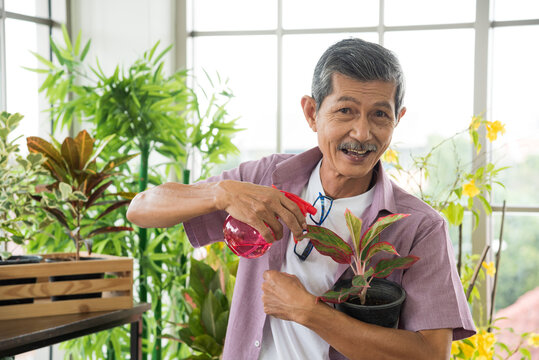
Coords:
pixel 309 111
pixel 401 114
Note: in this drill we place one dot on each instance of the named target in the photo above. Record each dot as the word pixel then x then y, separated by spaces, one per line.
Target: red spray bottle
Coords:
pixel 246 241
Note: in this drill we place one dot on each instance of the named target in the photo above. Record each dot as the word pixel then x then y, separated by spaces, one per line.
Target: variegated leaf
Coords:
pixel 85 147
pixel 70 154
pixel 337 297
pixel 385 267
pixel 328 243
pixel 354 226
pixel 380 246
pixel 379 226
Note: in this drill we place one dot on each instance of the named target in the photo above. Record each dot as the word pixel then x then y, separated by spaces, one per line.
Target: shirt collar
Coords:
pixel 293 174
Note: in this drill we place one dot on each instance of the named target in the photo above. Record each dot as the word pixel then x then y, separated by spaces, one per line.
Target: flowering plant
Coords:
pixel 457 192
pixel 365 247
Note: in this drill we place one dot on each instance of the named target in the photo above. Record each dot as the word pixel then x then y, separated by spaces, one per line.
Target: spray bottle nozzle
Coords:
pixel 303 205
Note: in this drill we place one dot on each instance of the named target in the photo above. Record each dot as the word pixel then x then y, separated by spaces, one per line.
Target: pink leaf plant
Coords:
pixel 365 247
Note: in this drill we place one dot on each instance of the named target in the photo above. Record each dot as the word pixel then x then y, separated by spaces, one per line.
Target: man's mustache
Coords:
pixel 357 146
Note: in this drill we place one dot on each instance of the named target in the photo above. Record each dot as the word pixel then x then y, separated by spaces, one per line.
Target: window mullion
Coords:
pixel 481 235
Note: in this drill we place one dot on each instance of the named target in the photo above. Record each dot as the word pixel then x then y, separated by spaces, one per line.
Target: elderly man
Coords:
pixel 356 103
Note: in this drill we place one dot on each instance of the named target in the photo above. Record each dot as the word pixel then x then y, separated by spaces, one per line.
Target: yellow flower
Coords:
pixel 390 156
pixel 493 128
pixel 470 189
pixel 476 122
pixel 534 340
pixel 489 267
pixel 485 344
pixel 467 350
pixel 455 348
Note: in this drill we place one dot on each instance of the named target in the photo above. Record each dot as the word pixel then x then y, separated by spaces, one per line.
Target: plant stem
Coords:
pixel 498 256
pixel 476 271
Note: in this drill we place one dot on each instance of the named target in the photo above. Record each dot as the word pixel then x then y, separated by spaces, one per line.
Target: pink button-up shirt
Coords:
pixel 435 298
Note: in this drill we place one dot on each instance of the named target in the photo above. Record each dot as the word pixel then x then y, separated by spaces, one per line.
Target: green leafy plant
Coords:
pixel 150 112
pixel 17 176
pixel 365 247
pixel 78 186
pixel 208 297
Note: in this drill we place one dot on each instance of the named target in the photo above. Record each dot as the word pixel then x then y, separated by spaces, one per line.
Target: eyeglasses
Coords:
pixel 323 216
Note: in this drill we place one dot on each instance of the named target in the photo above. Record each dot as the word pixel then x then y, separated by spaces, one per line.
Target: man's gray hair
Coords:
pixel 360 60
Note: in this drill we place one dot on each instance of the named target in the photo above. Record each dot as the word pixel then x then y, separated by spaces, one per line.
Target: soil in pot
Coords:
pixel 19 260
pixel 383 303
pixel 75 277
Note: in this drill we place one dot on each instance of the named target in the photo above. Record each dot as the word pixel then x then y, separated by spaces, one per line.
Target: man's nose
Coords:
pixel 361 129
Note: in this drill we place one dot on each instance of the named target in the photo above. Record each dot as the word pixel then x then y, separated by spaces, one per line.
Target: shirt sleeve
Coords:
pixel 434 295
pixel 207 229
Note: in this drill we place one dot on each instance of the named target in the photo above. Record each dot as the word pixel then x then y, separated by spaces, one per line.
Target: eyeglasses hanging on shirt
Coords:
pixel 325 209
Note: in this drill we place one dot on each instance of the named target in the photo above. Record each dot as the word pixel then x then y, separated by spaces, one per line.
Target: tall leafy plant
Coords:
pixel 151 112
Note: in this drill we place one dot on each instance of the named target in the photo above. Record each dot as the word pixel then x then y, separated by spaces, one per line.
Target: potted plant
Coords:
pixel 368 296
pixel 78 186
pixel 17 173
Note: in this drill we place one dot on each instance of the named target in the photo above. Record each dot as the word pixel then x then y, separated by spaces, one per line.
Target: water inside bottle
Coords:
pixel 243 239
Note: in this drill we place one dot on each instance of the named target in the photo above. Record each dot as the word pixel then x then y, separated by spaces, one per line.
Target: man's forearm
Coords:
pixel 172 203
pixel 359 340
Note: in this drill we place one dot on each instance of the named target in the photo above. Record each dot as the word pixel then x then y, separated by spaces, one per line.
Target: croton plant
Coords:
pixel 79 186
pixel 365 247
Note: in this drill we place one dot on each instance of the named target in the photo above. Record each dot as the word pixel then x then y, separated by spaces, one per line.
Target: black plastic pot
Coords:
pixel 75 277
pixel 19 260
pixel 383 303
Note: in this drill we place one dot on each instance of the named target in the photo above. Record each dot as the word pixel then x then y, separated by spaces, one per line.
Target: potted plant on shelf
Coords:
pixel 78 186
pixel 368 296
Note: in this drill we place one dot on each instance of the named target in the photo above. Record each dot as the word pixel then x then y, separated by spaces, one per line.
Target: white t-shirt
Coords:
pixel 284 340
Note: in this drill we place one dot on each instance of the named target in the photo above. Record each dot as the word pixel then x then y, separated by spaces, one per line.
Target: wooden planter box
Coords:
pixel 116 287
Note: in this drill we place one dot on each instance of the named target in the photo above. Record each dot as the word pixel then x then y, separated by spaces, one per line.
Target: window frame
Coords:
pixel 482 25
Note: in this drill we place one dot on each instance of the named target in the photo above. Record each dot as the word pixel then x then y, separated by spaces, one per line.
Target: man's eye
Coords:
pixel 380 113
pixel 345 110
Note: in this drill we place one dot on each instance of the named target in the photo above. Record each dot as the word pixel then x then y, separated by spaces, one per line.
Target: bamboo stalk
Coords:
pixel 498 256
pixel 143 235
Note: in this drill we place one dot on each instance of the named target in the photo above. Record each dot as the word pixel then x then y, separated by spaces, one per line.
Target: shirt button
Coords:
pixel 257 343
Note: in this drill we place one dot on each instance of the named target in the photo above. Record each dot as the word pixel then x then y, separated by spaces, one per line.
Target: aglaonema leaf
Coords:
pixel 108 229
pixel 337 297
pixel 354 226
pixel 329 243
pixel 385 267
pixel 379 226
pixel 380 246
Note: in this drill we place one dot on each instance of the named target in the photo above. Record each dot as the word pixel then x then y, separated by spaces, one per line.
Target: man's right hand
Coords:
pixel 257 205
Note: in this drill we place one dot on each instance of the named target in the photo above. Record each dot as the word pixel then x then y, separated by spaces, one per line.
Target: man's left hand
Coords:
pixel 285 297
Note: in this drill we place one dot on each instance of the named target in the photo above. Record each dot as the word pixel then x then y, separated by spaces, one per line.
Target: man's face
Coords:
pixel 354 126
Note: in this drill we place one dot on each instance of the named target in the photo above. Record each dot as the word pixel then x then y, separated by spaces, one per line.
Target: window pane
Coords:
pixel 39 8
pixel 519 264
pixel 515 9
pixel 308 14
pixel 300 55
pixel 422 12
pixel 438 66
pixel 234 15
pixel 514 99
pixel 22 85
pixel 250 64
